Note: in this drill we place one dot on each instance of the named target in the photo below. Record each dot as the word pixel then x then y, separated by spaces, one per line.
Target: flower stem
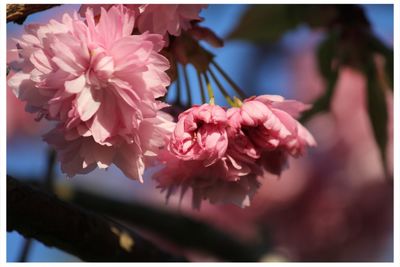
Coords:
pixel 202 92
pixel 221 88
pixel 229 80
pixel 210 90
pixel 187 85
pixel 178 87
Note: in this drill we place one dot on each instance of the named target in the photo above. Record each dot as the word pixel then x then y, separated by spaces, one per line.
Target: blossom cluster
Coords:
pixel 220 153
pixel 101 84
pixel 100 74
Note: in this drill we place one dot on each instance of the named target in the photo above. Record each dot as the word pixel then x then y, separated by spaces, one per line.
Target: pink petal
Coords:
pixel 86 105
pixel 75 86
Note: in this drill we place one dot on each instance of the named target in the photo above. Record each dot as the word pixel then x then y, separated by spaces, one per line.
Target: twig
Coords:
pixel 178 86
pixel 37 214
pixel 201 87
pixel 235 87
pixel 18 13
pixel 221 88
pixel 187 86
pixel 26 246
pixel 49 177
pixel 48 184
pixel 209 89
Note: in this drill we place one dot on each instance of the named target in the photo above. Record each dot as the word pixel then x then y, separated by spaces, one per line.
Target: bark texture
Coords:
pixel 35 213
pixel 19 12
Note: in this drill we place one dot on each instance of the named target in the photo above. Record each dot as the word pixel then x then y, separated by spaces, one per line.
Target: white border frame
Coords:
pixel 3 133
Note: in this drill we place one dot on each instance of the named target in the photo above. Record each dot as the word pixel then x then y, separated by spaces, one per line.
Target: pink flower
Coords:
pixel 18 120
pixel 199 157
pixel 274 133
pixel 96 78
pixel 80 155
pixel 293 137
pixel 98 81
pixel 244 142
pixel 242 153
pixel 163 19
pixel 200 134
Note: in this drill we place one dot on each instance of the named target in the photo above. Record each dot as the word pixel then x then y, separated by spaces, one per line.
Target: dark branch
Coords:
pixel 36 214
pixel 48 184
pixel 176 228
pixel 26 247
pixel 18 13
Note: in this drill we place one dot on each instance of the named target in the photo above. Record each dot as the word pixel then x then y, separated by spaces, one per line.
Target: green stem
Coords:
pixel 188 90
pixel 209 89
pixel 202 91
pixel 221 88
pixel 229 80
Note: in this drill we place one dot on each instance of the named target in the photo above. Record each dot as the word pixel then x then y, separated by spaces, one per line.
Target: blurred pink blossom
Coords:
pixel 335 198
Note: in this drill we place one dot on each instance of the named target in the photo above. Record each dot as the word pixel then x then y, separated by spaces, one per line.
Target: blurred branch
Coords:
pixel 37 214
pixel 48 184
pixel 177 228
pixel 49 176
pixel 17 13
pixel 26 246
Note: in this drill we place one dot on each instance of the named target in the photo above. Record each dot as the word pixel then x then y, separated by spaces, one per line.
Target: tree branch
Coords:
pixel 37 214
pixel 177 228
pixel 19 12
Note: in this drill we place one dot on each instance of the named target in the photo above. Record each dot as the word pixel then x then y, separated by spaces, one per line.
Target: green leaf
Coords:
pixel 377 110
pixel 378 46
pixel 263 24
pixel 389 69
pixel 267 23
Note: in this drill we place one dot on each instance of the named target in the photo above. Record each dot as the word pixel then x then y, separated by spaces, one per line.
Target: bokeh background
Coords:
pixel 331 205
